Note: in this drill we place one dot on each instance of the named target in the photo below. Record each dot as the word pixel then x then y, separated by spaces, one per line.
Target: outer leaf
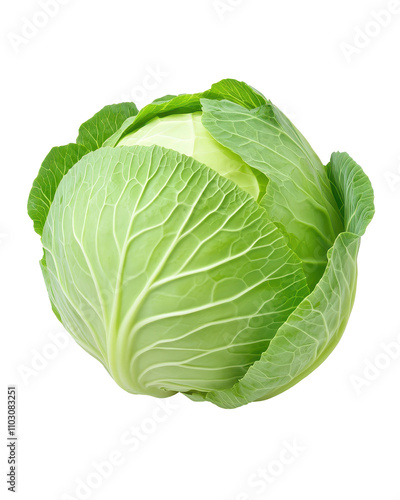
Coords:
pixel 357 208
pixel 168 105
pixel 54 167
pixel 57 163
pixel 165 271
pixel 103 124
pixel 307 337
pixel 315 327
pixel 299 197
pixel 46 278
pixel 238 92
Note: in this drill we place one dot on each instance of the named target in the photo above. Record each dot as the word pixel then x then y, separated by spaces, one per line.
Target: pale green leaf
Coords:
pixel 169 273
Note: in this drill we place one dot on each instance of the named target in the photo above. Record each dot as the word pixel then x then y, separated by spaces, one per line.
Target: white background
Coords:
pixel 72 415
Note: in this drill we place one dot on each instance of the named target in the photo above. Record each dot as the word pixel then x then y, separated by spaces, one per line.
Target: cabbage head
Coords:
pixel 200 246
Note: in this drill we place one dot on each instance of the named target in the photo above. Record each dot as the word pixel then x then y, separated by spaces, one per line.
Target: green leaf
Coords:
pixel 43 267
pixel 308 336
pixel 60 160
pixel 299 198
pixel 358 210
pixel 165 106
pixel 166 271
pixel 94 132
pixel 313 330
pixel 56 164
pixel 238 92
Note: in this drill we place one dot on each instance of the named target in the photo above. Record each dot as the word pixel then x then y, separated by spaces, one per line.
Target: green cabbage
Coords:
pixel 200 245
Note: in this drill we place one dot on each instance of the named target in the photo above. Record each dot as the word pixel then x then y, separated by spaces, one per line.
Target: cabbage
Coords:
pixel 200 246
